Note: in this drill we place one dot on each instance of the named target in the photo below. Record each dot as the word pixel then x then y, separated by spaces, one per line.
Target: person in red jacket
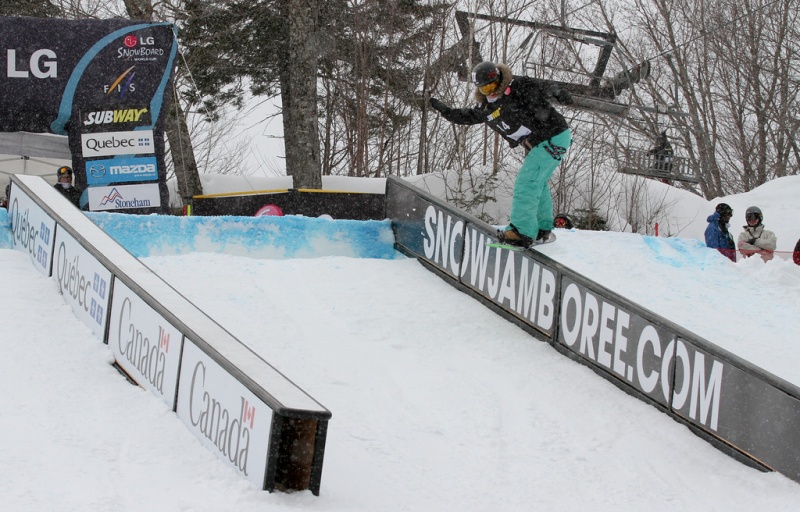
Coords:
pixel 796 253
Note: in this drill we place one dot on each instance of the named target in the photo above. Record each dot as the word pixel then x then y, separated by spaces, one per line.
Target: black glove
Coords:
pixel 752 241
pixel 563 96
pixel 438 105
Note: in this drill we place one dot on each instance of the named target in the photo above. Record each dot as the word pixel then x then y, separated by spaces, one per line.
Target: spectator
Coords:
pixel 717 235
pixel 64 185
pixel 663 153
pixel 755 239
pixel 4 202
pixel 562 221
pixel 796 253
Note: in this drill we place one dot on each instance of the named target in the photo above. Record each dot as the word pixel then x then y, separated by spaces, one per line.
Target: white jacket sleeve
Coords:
pixel 742 242
pixel 767 241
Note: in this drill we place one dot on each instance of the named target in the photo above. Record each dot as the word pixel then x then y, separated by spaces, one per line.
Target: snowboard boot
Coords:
pixel 543 236
pixel 511 236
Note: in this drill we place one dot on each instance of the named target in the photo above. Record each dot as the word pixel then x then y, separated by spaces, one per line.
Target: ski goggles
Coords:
pixel 489 88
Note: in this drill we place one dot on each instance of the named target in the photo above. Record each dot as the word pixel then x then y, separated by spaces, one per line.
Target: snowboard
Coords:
pixel 533 246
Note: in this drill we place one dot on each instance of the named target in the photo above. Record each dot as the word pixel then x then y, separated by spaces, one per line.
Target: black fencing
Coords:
pixel 739 408
pixel 311 203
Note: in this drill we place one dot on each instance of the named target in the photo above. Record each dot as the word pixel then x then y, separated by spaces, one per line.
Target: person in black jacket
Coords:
pixel 663 153
pixel 519 109
pixel 64 185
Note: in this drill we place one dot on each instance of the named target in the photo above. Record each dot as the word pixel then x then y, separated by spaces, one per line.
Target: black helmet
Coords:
pixel 64 171
pixel 724 210
pixel 754 211
pixel 485 73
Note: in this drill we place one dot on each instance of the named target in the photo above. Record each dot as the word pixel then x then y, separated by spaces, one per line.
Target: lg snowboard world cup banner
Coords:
pixel 103 83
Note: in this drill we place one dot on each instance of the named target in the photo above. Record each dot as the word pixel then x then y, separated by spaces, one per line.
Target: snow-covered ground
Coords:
pixel 438 403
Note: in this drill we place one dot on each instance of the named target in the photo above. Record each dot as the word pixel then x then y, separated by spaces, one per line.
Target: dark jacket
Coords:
pixel 522 112
pixel 662 147
pixel 796 253
pixel 718 237
pixel 71 193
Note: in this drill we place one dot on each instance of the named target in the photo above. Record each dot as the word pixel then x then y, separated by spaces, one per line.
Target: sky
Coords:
pixel 437 402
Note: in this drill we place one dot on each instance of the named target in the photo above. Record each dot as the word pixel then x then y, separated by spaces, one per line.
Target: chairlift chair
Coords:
pixel 578 59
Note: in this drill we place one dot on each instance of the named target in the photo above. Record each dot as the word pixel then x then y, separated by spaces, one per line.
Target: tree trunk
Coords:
pixel 180 145
pixel 299 94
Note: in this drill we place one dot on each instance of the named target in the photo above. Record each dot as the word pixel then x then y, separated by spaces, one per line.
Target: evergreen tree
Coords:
pixel 369 56
pixel 34 8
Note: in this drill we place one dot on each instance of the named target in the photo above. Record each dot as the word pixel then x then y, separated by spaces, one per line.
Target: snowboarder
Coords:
pixel 518 108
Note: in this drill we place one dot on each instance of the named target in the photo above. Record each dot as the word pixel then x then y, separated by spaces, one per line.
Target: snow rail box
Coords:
pixel 254 418
pixel 738 407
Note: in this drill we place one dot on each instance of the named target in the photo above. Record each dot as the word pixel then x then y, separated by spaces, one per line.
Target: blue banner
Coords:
pixel 121 170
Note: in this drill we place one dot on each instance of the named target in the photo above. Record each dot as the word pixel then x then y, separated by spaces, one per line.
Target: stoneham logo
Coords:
pixel 123 197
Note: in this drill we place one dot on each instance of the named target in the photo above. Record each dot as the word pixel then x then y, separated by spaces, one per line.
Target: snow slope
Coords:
pixel 438 404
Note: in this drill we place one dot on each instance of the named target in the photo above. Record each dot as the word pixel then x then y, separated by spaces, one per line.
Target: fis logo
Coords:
pixel 122 84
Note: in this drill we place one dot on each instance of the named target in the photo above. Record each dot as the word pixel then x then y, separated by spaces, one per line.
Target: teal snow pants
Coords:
pixel 532 206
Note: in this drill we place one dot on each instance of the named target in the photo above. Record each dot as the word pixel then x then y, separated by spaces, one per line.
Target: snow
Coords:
pixel 438 403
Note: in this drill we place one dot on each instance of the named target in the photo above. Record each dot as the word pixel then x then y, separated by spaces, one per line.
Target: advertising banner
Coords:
pixel 227 418
pixel 144 344
pixel 121 170
pixel 738 405
pixel 454 244
pixel 617 339
pixel 83 281
pixel 33 230
pixel 124 197
pixel 95 81
pixel 117 143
